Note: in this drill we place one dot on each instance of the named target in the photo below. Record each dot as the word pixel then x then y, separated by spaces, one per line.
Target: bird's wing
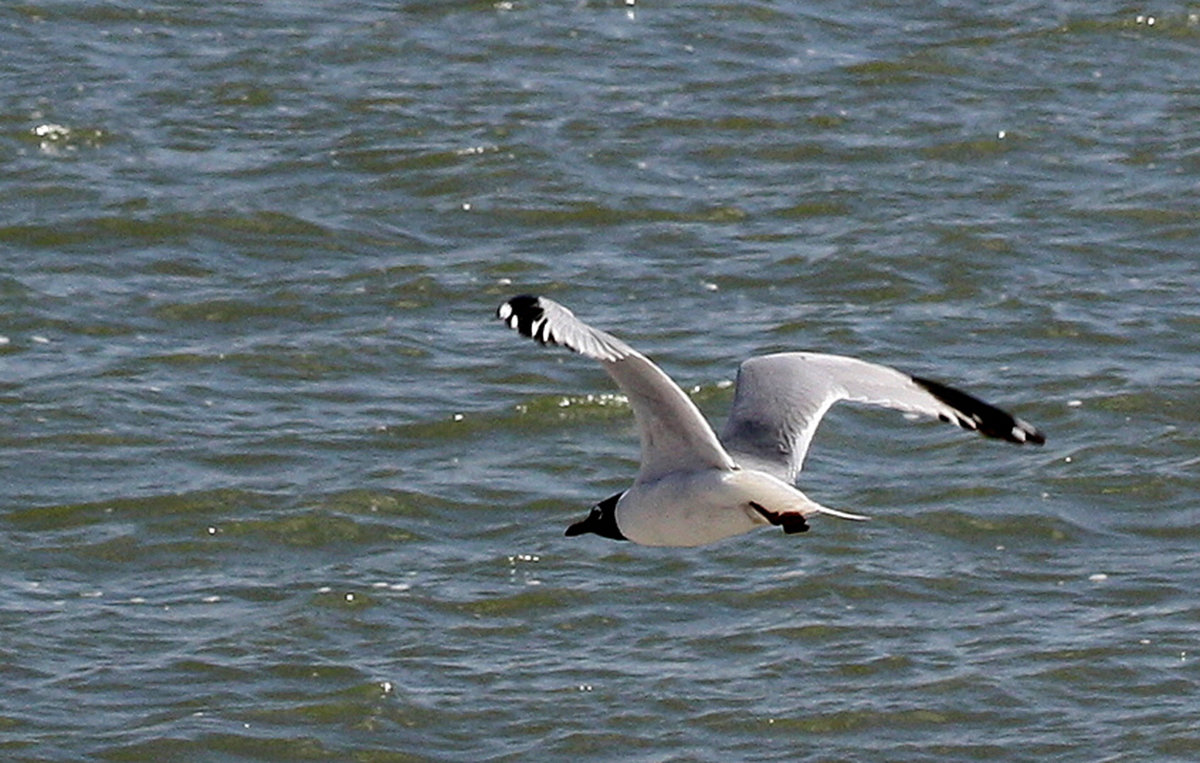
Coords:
pixel 781 398
pixel 674 434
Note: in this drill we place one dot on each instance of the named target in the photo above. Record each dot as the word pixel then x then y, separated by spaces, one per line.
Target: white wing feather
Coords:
pixel 674 434
pixel 780 399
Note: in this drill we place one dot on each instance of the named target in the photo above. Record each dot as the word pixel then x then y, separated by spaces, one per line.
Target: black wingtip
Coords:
pixel 972 413
pixel 524 313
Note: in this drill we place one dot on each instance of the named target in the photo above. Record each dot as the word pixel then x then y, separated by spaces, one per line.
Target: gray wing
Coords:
pixel 781 398
pixel 674 434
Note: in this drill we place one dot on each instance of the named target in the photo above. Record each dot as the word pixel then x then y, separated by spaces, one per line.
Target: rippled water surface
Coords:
pixel 274 485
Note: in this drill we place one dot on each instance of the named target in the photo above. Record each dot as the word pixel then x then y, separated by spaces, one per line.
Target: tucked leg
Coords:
pixel 790 521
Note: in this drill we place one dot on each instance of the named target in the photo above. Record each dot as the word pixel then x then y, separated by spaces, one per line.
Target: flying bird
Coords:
pixel 694 487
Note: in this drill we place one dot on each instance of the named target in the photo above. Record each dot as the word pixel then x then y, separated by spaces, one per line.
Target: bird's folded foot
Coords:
pixel 790 521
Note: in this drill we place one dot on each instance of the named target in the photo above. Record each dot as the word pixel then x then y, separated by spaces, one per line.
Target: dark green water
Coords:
pixel 274 485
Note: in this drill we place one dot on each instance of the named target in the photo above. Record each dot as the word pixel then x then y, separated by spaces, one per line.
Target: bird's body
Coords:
pixel 694 488
pixel 692 508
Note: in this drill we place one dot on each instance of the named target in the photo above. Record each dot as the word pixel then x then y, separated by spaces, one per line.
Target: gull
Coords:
pixel 693 488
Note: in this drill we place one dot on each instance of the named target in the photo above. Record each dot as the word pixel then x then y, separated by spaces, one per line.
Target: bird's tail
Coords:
pixel 819 509
pixel 777 497
pixel 809 507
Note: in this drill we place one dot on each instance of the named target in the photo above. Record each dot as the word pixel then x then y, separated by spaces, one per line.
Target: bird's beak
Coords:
pixel 585 525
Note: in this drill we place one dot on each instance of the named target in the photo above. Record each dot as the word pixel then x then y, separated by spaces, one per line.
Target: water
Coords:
pixel 275 486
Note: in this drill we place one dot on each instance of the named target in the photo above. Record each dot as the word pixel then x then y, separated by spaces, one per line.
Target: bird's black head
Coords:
pixel 602 520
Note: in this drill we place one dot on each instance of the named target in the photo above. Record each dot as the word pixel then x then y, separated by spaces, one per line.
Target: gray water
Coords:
pixel 274 485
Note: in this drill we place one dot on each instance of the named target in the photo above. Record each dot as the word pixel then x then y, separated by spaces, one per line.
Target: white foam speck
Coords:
pixel 51 132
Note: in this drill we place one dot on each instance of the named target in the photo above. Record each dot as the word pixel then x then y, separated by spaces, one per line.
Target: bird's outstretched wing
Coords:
pixel 781 398
pixel 674 434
